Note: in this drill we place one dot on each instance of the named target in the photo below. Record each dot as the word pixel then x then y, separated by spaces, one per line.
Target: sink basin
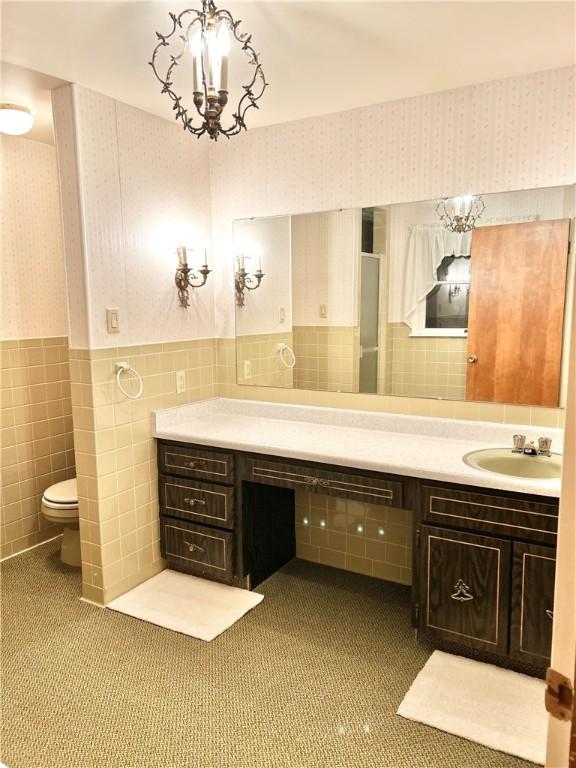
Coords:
pixel 504 462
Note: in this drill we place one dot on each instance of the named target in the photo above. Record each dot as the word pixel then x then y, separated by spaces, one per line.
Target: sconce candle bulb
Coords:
pixel 185 276
pixel 244 281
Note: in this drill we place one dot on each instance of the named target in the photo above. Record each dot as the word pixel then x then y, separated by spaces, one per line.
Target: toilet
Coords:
pixel 60 507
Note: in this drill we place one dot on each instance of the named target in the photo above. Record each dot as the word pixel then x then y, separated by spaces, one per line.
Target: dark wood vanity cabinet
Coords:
pixel 533 572
pixel 466 587
pixel 484 560
pixel 197 510
pixel 483 582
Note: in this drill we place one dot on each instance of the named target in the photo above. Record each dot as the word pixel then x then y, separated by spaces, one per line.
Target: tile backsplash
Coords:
pixel 260 353
pixel 355 536
pixel 416 406
pixel 36 435
pixel 327 357
pixel 426 366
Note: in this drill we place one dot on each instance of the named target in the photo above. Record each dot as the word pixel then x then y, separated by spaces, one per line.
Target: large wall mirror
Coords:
pixel 464 298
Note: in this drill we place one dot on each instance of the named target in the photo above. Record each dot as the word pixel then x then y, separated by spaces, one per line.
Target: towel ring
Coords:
pixel 122 368
pixel 282 349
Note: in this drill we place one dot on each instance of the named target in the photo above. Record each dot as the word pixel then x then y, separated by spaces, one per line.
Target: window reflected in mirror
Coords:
pixel 464 298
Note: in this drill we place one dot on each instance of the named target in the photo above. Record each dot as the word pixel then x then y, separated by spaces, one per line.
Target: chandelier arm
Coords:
pixel 248 95
pixel 209 109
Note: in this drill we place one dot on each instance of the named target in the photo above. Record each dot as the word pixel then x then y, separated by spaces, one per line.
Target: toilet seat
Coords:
pixel 62 495
pixel 60 507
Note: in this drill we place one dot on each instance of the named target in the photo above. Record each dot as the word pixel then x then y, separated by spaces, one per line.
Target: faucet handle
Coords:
pixel 544 446
pixel 519 442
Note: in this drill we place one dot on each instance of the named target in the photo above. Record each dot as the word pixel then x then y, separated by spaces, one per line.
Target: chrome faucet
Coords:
pixel 521 446
pixel 519 442
pixel 544 446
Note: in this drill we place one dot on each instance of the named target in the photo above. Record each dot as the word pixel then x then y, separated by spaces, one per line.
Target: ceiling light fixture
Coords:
pixel 460 214
pixel 15 119
pixel 206 36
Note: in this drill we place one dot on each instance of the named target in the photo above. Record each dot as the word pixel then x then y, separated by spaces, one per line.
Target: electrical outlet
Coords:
pixel 281 315
pixel 323 310
pixel 180 382
pixel 112 322
pixel 247 369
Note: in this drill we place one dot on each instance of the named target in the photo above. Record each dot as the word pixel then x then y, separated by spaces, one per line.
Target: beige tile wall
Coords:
pixel 327 357
pixel 364 538
pixel 116 456
pixel 37 447
pixel 448 409
pixel 426 366
pixel 262 352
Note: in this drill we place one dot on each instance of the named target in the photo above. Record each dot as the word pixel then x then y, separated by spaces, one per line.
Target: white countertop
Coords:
pixel 415 446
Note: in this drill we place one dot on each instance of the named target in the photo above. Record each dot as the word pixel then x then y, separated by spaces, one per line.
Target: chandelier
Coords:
pixel 206 35
pixel 460 214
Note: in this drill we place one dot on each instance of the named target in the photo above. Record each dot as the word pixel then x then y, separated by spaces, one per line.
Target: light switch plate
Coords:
pixel 180 382
pixel 247 369
pixel 281 314
pixel 112 322
pixel 323 310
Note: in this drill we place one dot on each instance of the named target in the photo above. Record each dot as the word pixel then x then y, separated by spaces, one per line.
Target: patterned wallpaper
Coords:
pixel 508 134
pixel 143 187
pixel 33 302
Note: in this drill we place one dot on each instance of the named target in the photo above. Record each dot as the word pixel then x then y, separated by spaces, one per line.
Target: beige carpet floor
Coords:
pixel 311 679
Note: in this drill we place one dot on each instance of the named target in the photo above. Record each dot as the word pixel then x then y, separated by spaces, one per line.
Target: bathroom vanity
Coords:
pixel 484 543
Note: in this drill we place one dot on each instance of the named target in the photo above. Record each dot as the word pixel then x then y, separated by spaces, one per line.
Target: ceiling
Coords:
pixel 319 57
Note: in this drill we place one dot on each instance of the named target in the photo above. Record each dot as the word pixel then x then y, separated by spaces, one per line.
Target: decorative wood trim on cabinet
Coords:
pixel 465 588
pixel 328 481
pixel 533 572
pixel 488 513
pixel 195 501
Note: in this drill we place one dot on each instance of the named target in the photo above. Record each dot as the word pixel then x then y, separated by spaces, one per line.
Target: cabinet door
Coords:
pixel 465 588
pixel 533 574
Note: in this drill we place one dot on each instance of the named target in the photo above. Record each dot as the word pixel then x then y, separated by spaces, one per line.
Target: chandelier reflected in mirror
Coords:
pixel 207 36
pixel 460 214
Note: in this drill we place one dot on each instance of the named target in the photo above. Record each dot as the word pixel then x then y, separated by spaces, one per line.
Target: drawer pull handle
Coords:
pixel 194 547
pixel 196 463
pixel 462 592
pixel 193 502
pixel 550 615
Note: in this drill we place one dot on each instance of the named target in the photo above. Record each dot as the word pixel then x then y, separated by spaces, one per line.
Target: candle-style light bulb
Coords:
pixel 196 50
pixel 182 260
pixel 223 48
pixel 211 56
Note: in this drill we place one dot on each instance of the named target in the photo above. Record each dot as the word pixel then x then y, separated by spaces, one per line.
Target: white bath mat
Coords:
pixel 187 604
pixel 495 707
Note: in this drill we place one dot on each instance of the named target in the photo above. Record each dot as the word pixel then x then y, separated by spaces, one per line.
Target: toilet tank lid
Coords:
pixel 65 492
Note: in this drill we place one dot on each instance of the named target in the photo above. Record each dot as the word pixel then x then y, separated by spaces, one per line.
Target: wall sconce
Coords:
pixel 245 281
pixel 185 275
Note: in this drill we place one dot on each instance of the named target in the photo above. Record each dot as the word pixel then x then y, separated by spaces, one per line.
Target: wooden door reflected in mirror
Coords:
pixel 516 315
pixel 394 300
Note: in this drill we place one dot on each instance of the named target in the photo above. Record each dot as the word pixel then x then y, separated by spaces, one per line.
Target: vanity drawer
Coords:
pixel 198 502
pixel 201 463
pixel 500 515
pixel 197 549
pixel 326 481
